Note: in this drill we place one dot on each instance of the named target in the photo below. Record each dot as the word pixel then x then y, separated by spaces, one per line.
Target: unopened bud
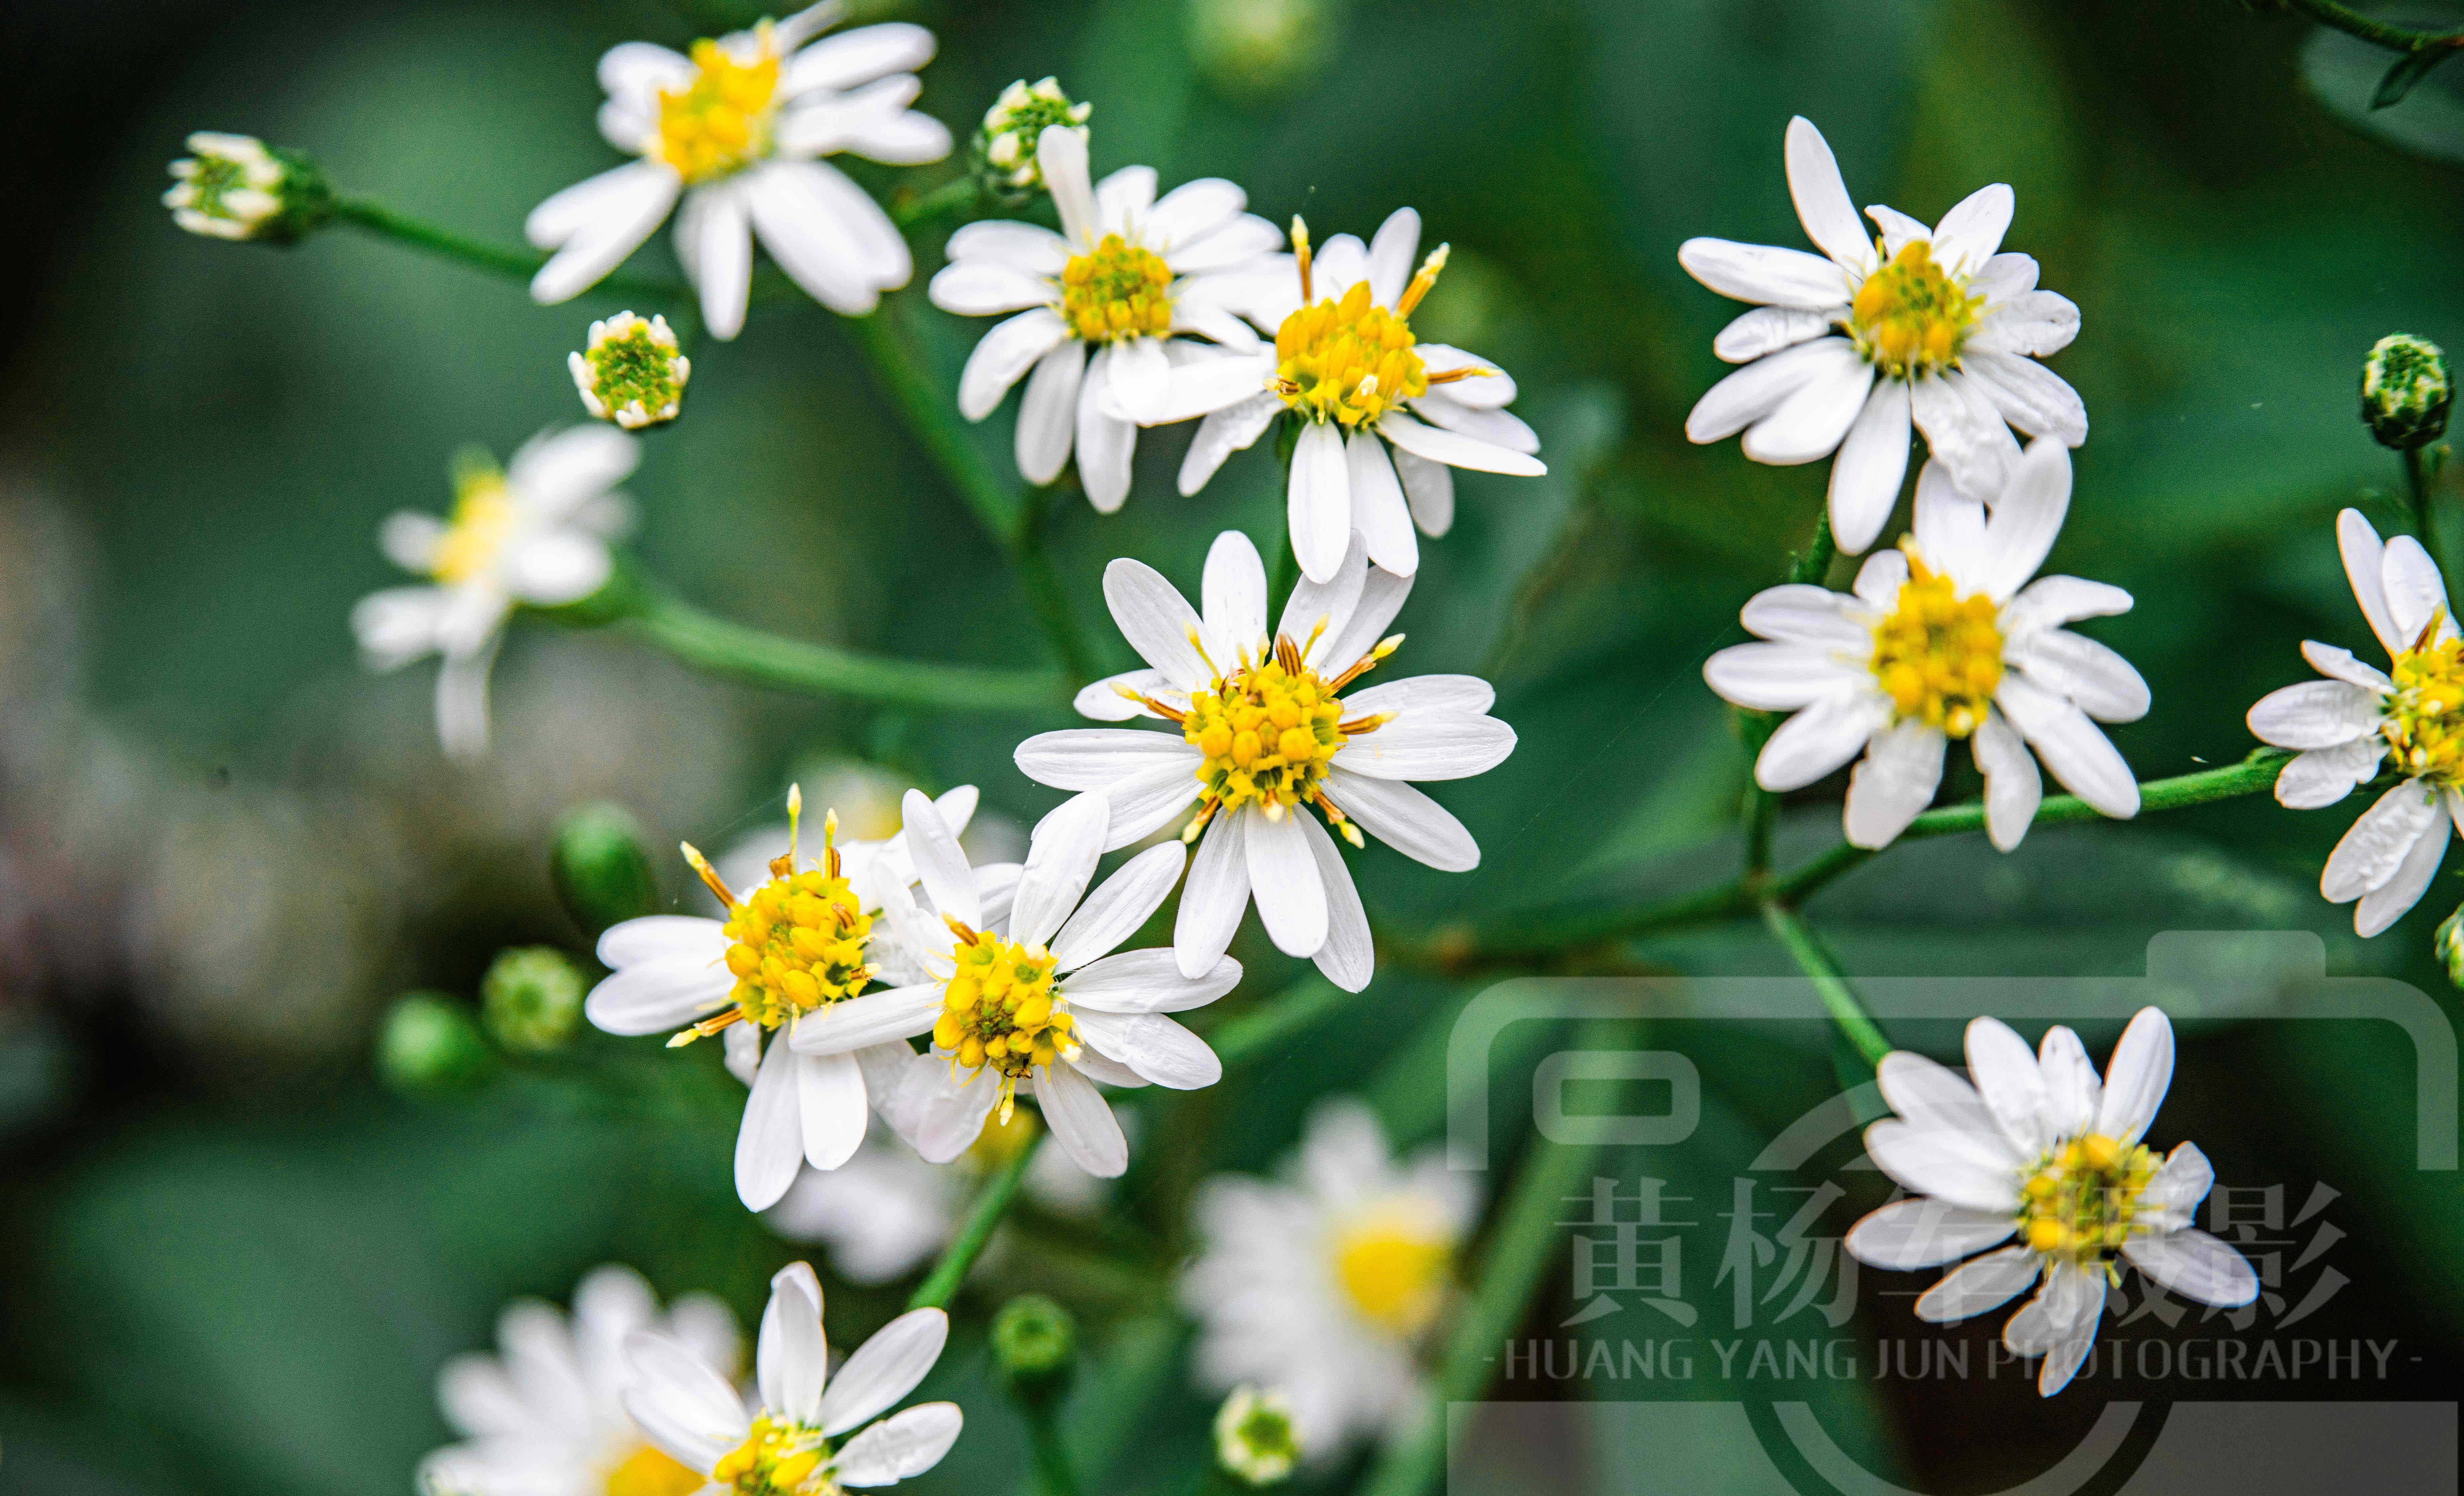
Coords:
pixel 235 187
pixel 1254 1436
pixel 1034 1347
pixel 1005 143
pixel 631 373
pixel 2448 944
pixel 2405 390
pixel 530 999
pixel 431 1043
pixel 601 870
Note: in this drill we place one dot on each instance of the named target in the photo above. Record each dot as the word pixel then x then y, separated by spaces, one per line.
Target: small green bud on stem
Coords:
pixel 602 872
pixel 2405 390
pixel 530 999
pixel 431 1045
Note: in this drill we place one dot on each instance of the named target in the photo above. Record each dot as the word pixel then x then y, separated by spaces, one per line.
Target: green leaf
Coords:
pixel 2409 70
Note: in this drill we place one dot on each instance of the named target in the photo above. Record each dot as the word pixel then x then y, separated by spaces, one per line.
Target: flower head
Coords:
pixel 1945 638
pixel 533 532
pixel 1846 349
pixel 795 1441
pixel 1105 309
pixel 1325 1285
pixel 733 130
pixel 2408 718
pixel 235 187
pixel 1255 1439
pixel 1383 417
pixel 570 1436
pixel 2405 390
pixel 2038 1149
pixel 1273 744
pixel 631 373
pixel 1007 158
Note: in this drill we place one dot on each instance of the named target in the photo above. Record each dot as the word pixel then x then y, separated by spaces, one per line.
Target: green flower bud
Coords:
pixel 2448 944
pixel 530 999
pixel 631 373
pixel 1004 144
pixel 1254 1438
pixel 1034 1347
pixel 430 1044
pixel 2404 391
pixel 601 870
pixel 237 188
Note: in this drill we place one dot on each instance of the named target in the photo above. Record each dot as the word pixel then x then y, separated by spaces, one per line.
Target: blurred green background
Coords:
pixel 230 1261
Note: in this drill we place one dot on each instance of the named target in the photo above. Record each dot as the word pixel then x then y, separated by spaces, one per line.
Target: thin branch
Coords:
pixel 522 265
pixel 1839 997
pixel 991 1202
pixel 2377 33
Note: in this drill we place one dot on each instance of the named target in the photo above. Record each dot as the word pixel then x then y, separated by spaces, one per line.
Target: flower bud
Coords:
pixel 600 869
pixel 1034 1347
pixel 1004 145
pixel 530 999
pixel 2406 392
pixel 429 1043
pixel 2448 944
pixel 1254 1436
pixel 631 373
pixel 237 187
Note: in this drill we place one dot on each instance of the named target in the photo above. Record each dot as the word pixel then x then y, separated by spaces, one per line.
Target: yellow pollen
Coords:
pixel 1116 290
pixel 483 520
pixel 720 121
pixel 1939 655
pixel 999 1012
pixel 2424 725
pixel 2081 1199
pixel 777 1459
pixel 1268 732
pixel 798 941
pixel 649 1471
pixel 1348 361
pixel 1394 1274
pixel 1909 318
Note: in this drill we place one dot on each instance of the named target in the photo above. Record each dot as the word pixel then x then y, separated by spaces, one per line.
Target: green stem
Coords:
pixel 1053 1474
pixel 1838 998
pixel 1045 592
pixel 2416 477
pixel 992 1202
pixel 2377 33
pixel 953 196
pixel 934 422
pixel 376 218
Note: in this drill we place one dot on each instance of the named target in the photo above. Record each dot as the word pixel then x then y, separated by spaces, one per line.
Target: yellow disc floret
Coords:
pixel 482 522
pixel 2424 724
pixel 778 1458
pixel 1269 734
pixel 2081 1201
pixel 649 1471
pixel 1939 655
pixel 720 121
pixel 1909 318
pixel 1394 1271
pixel 1349 361
pixel 796 945
pixel 999 1011
pixel 1116 290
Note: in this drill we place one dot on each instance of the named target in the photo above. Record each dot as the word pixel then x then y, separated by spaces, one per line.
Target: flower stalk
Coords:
pixel 985 1216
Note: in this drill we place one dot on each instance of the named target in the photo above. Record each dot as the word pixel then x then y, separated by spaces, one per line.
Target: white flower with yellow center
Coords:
pixel 1847 348
pixel 1268 737
pixel 794 953
pixel 545 1416
pixel 2040 1149
pixel 535 533
pixel 1328 1284
pixel 795 1441
pixel 2409 718
pixel 1383 415
pixel 733 130
pixel 1103 307
pixel 1031 997
pixel 1944 638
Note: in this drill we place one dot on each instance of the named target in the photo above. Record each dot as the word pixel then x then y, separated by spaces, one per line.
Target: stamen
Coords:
pixel 1198 822
pixel 706 1027
pixel 1364 724
pixel 1367 662
pixel 1301 253
pixel 1426 277
pixel 1169 713
pixel 1467 371
pixel 959 928
pixel 1288 655
pixel 708 874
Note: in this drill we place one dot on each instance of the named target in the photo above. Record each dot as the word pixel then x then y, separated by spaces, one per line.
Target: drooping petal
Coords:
pixel 1811 423
pixel 2377 843
pixel 1379 511
pixel 770 1142
pixel 1820 739
pixel 1047 415
pixel 1081 1123
pixel 883 1369
pixel 1212 902
pixel 831 1100
pixel 2013 787
pixel 1319 501
pixel 1972 1288
pixel 2391 901
pixel 1349 958
pixel 2077 752
pixel 1873 464
pixel 1284 880
pixel 2324 776
pixel 1895 779
pixel 898 1448
pixel 1759 388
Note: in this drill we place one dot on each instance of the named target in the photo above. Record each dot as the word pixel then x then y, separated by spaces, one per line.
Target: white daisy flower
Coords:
pixel 2038 1149
pixel 1384 416
pixel 535 533
pixel 733 130
pixel 795 1443
pixel 1325 1285
pixel 1944 637
pixel 2350 724
pixel 1102 307
pixel 792 953
pixel 1032 993
pixel 545 1416
pixel 1844 353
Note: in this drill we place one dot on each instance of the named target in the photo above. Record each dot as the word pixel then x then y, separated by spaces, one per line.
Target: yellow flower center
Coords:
pixel 649 1471
pixel 1394 1274
pixel 1269 734
pixel 2081 1199
pixel 799 944
pixel 777 1459
pixel 720 121
pixel 483 520
pixel 1116 290
pixel 1939 655
pixel 999 1011
pixel 2425 720
pixel 1348 361
pixel 1909 318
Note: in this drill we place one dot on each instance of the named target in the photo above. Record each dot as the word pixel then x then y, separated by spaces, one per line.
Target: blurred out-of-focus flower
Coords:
pixel 545 1416
pixel 1846 349
pixel 1021 989
pixel 530 999
pixel 1255 1439
pixel 792 1442
pixel 1099 305
pixel 1035 1349
pixel 234 187
pixel 631 373
pixel 1326 1283
pixel 1943 638
pixel 2347 725
pixel 733 130
pixel 2406 392
pixel 1008 161
pixel 1265 733
pixel 1383 417
pixel 2038 1148
pixel 431 1043
pixel 535 533
pixel 601 869
pixel 1259 46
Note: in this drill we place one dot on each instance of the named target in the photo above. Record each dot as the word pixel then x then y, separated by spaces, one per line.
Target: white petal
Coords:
pixel 1154 1046
pixel 1767 330
pixel 1969 234
pixel 1319 501
pixel 1212 902
pixel 1233 591
pixel 1424 693
pixel 883 1369
pixel 2184 1180
pixel 1141 380
pixel 1378 510
pixel 1104 699
pixel 1349 958
pixel 1486 390
pixel 857 57
pixel 1326 607
pixel 2195 1265
pixel 1107 443
pixel 682 1405
pixel 2341 665
pixel 1964 432
pixel 2037 323
pixel 1972 1288
pixel 986 287
pixel 2324 776
pixel 1283 879
pixel 1897 777
pixel 1123 198
pixel 1779 678
pixel 2077 752
pixel 1455 449
pixel 898 1448
pixel 2026 519
pixel 558 567
pixel 770 1142
pixel 2137 1077
pixel 658 996
pixel 1097 757
pixel 1873 463
pixel 1803 614
pixel 594 225
pixel 1813 422
pixel 2392 900
pixel 2365 568
pixel 1898 229
pixel 1762 274
pixel 2414 592
pixel 1429 745
pixel 1878 581
pixel 2104 685
pixel 721 254
pixel 1821 198
pixel 1931 1094
pixel 2004 278
pixel 2030 396
pixel 1497 427
pixel 2049 601
pixel 1003 355
pixel 1820 739
pixel 1081 1122
pixel 1406 820
pixel 1148 800
pixel 1151 982
pixel 1909 1234
pixel 1027 246
pixel 1060 155
pixel 1047 417
pixel 2013 787
pixel 2316 714
pixel 1759 388
pixel 875 1017
pixel 1212 383
pixel 2072 1091
pixel 2377 843
pixel 1193 212
pixel 1116 910
pixel 1978 1172
pixel 1234 428
pixel 830 1097
pixel 2010 1085
pixel 1156 621
pixel 940 864
pixel 1059 860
